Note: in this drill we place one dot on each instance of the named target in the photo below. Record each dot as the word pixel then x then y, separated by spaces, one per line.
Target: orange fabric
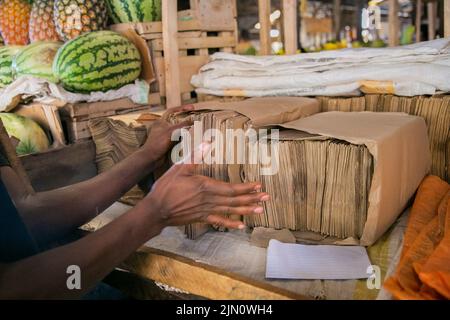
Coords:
pixel 424 268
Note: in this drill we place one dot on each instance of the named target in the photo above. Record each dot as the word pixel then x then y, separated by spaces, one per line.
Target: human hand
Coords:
pixel 182 197
pixel 159 140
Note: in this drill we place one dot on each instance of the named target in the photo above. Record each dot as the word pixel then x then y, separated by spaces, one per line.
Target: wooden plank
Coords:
pixel 189 34
pixel 47 116
pixel 184 24
pixel 140 288
pixel 189 66
pixel 290 26
pixel 138 107
pixel 264 32
pixel 170 45
pixel 337 18
pixel 61 167
pixel 198 43
pixel 9 151
pixel 216 14
pixel 432 19
pixel 156 27
pixel 447 19
pixel 394 23
pixel 88 108
pixel 231 48
pixel 202 51
pixel 154 98
pixel 77 130
pixel 418 19
pixel 200 279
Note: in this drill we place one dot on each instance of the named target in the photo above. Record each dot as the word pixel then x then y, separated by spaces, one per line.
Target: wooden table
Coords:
pixel 218 265
pixel 224 265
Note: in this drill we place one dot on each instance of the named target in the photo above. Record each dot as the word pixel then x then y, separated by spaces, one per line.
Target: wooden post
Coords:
pixel 264 31
pixel 360 4
pixel 418 19
pixel 290 26
pixel 10 153
pixel 170 45
pixel 337 18
pixel 394 23
pixel 446 18
pixel 432 17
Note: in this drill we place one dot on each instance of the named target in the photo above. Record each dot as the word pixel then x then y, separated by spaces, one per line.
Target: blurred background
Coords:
pixel 336 24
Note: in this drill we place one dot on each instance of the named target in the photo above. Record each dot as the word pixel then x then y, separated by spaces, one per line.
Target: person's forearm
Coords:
pixel 45 275
pixel 50 215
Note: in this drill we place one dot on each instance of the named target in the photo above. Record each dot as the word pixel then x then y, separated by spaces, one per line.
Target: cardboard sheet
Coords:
pixel 261 237
pixel 399 144
pixel 267 111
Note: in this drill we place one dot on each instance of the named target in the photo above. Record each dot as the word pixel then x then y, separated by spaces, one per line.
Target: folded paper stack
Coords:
pixel 116 138
pixel 238 117
pixel 346 175
pixel 320 185
pixel 435 110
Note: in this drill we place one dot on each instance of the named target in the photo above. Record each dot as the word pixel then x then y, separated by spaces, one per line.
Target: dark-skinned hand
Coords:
pixel 159 139
pixel 182 197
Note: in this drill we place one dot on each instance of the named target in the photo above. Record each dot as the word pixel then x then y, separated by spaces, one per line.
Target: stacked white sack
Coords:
pixel 417 69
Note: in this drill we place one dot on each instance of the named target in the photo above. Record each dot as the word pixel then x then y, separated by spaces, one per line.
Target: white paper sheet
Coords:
pixel 296 261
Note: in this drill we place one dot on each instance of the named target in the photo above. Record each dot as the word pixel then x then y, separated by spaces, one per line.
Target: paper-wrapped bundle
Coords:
pixel 319 185
pixel 239 115
pixel 346 175
pixel 116 138
pixel 435 110
pixel 357 181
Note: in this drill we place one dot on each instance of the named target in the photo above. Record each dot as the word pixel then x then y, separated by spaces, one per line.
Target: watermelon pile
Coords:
pixel 31 136
pixel 91 59
pixel 97 61
pixel 122 11
pixel 36 60
pixel 6 59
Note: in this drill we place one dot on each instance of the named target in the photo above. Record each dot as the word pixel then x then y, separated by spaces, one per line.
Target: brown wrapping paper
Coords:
pixel 399 144
pixel 263 112
pixel 267 111
pixel 397 141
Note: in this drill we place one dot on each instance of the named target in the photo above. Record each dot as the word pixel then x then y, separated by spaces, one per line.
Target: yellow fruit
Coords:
pixel 75 17
pixel 14 21
pixel 42 27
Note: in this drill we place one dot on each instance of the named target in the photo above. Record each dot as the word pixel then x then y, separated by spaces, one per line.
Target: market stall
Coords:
pixel 363 130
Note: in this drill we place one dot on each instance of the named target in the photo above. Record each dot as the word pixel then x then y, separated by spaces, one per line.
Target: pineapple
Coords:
pixel 14 21
pixel 74 17
pixel 42 27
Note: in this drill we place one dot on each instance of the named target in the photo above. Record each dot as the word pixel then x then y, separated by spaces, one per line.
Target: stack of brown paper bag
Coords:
pixel 241 115
pixel 116 138
pixel 346 175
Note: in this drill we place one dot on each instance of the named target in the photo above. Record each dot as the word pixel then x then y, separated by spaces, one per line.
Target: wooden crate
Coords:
pixel 194 50
pixel 203 15
pixel 207 27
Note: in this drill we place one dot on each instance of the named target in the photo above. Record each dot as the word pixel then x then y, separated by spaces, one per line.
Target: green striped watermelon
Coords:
pixel 122 11
pixel 36 60
pixel 31 136
pixel 6 58
pixel 97 61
